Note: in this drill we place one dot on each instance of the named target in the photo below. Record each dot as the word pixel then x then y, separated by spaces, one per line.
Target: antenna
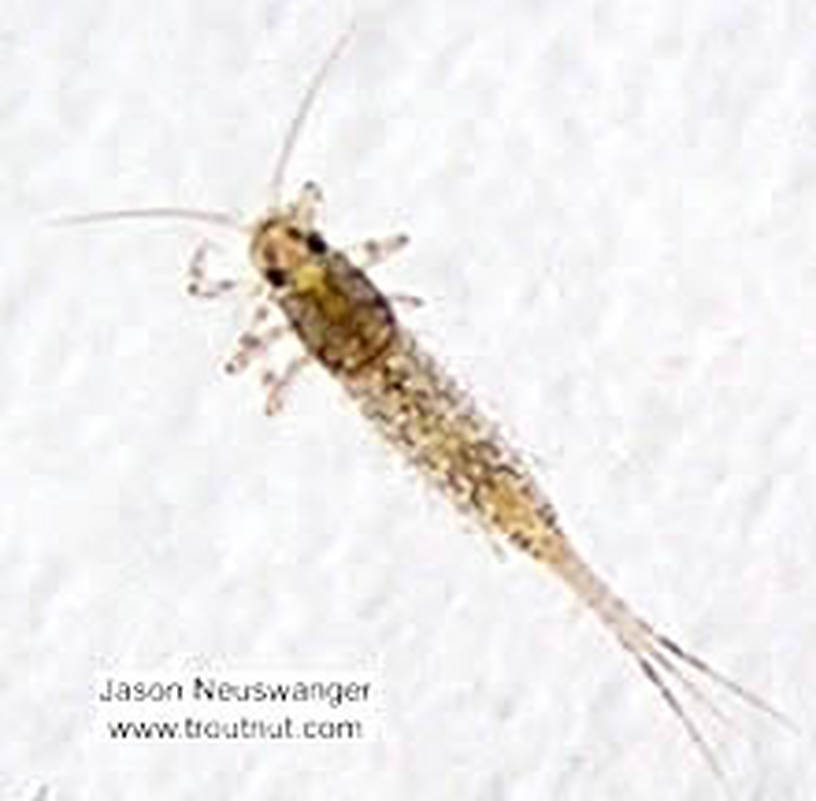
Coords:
pixel 219 218
pixel 299 119
pixel 202 215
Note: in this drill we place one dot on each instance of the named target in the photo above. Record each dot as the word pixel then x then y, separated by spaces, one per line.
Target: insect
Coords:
pixel 350 328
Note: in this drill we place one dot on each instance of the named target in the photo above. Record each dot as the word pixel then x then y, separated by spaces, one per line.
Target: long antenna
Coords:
pixel 201 215
pixel 302 112
pixel 223 218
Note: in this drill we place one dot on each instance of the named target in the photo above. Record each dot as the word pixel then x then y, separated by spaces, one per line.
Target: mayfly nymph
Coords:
pixel 347 325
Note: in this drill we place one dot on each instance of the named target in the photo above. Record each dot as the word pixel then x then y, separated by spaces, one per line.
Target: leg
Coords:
pixel 201 286
pixel 412 301
pixel 366 254
pixel 252 344
pixel 308 205
pixel 255 339
pixel 276 385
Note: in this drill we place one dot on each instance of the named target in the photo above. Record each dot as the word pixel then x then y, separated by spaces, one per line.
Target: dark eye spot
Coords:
pixel 293 232
pixel 275 276
pixel 316 243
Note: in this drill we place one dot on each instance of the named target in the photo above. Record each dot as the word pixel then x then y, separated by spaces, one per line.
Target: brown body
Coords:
pixel 348 325
pixel 342 319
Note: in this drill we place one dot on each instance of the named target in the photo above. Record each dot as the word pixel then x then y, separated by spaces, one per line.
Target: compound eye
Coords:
pixel 276 277
pixel 316 243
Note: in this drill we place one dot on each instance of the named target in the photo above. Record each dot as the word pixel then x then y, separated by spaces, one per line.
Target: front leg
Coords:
pixel 372 251
pixel 308 206
pixel 199 284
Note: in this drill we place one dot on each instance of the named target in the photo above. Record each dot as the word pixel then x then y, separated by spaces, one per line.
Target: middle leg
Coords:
pixel 255 340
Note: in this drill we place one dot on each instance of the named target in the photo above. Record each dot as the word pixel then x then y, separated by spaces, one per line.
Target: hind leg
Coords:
pixel 278 384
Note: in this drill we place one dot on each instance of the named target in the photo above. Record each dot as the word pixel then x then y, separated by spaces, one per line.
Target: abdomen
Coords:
pixel 423 414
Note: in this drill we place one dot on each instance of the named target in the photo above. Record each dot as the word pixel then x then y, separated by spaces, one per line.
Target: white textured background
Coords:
pixel 612 217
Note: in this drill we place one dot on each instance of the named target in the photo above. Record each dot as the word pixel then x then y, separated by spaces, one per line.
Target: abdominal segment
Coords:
pixel 435 425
